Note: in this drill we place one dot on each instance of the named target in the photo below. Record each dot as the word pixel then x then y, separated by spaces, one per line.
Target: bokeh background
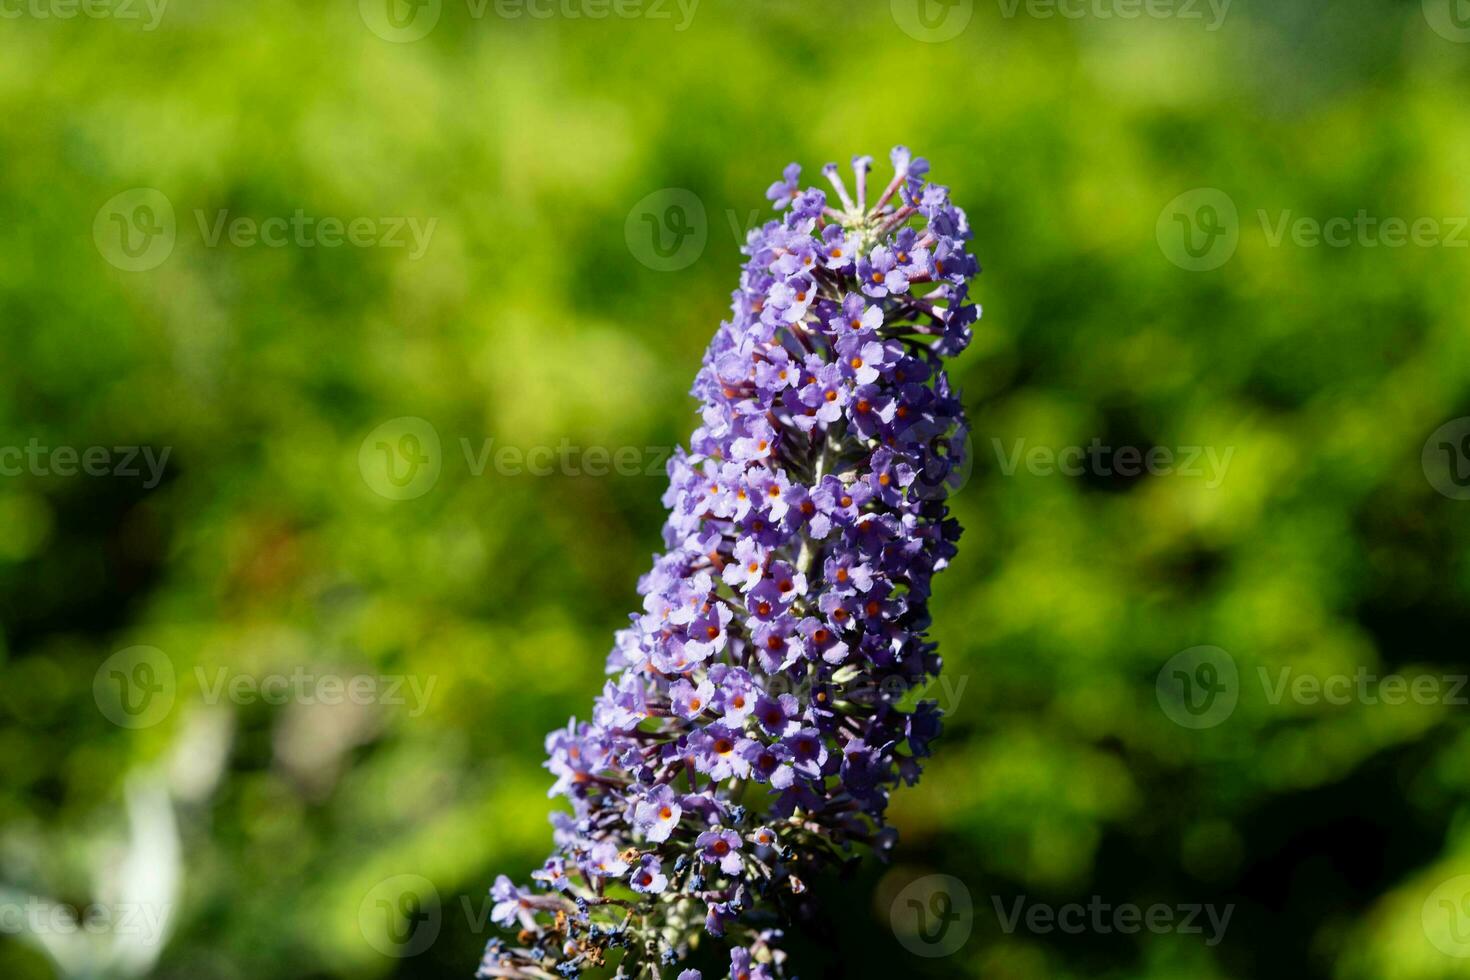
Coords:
pixel 1329 537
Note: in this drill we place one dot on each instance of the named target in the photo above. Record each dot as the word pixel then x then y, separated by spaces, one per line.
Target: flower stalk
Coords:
pixel 755 723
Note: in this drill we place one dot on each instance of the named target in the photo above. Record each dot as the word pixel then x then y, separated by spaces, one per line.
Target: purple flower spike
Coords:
pixel 753 726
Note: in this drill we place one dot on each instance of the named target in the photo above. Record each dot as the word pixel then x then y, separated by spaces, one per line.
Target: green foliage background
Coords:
pixel 1324 549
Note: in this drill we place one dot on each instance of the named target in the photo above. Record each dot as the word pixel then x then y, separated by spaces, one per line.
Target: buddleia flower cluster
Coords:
pixel 762 707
